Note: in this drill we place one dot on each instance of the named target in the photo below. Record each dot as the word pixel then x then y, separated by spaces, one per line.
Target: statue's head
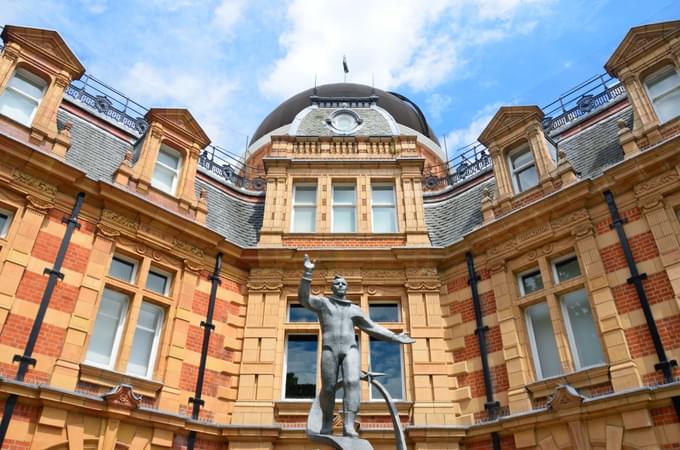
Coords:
pixel 339 286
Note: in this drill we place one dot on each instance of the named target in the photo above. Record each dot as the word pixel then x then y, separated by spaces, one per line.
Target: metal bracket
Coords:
pixel 622 221
pixel 197 401
pixel 483 329
pixel 22 359
pixel 50 272
pixel 215 279
pixel 207 325
pixel 72 220
pixel 632 280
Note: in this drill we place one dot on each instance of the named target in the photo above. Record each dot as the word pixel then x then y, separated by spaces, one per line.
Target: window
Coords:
pixel 158 281
pixel 145 342
pixel 344 209
pixel 386 358
pixel 301 351
pixel 384 208
pixel 298 313
pixel 304 208
pixel 566 268
pixel 583 339
pixel 123 268
pixel 5 220
pixel 384 312
pixel 663 87
pixel 108 329
pixel 530 281
pixel 542 339
pixel 166 171
pixel 522 168
pixel 22 96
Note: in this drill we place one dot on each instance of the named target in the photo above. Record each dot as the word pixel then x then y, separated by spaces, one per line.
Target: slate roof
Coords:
pixel 314 123
pixel 99 154
pixel 590 151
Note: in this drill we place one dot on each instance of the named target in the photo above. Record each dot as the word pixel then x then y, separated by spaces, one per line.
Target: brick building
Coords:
pixel 557 241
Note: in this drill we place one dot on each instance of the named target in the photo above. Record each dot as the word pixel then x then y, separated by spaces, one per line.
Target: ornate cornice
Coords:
pixel 36 184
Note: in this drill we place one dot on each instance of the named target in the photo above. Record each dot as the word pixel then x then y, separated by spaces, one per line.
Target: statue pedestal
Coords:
pixel 341 442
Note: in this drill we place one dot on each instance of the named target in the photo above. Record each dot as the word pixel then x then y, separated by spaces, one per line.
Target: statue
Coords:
pixel 338 316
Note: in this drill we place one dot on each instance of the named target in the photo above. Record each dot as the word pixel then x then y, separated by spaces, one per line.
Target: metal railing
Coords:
pixel 230 168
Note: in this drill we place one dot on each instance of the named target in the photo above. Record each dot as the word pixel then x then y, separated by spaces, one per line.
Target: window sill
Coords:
pixel 109 378
pixel 590 376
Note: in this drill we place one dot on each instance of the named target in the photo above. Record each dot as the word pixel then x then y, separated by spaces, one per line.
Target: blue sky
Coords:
pixel 232 61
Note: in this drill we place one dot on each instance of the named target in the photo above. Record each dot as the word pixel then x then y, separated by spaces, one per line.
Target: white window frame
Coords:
pixel 575 356
pixel 303 205
pixel 285 365
pixel 532 339
pixel 36 81
pixel 168 284
pixel 352 206
pixel 135 268
pixel 156 342
pixel 514 171
pixel 386 302
pixel 177 171
pixel 520 275
pixel 556 261
pixel 5 228
pixel 115 348
pixel 403 374
pixel 392 205
pixel 653 100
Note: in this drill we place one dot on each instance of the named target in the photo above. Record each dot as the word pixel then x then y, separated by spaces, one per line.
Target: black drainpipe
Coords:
pixel 491 405
pixel 664 365
pixel 207 329
pixel 55 275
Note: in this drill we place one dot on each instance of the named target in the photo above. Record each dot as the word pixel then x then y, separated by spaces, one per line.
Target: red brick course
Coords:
pixel 499 381
pixel 17 328
pixel 467 310
pixel 180 443
pixel 664 415
pixel 47 245
pixel 215 344
pixel 222 307
pixel 33 376
pixel 507 443
pixel 640 342
pixel 211 381
pixel 24 412
pixel 11 444
pixel 494 343
pixel 632 215
pixel 642 246
pixel 343 243
pixel 32 287
pixel 657 286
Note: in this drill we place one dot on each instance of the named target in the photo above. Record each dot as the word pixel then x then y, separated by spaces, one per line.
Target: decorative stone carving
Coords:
pixel 567 219
pixel 21 177
pixel 564 396
pixel 38 203
pixel 107 231
pixel 188 248
pixel 665 179
pixel 120 219
pixel 123 396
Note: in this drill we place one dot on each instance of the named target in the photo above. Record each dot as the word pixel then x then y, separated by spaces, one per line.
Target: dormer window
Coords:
pixel 22 96
pixel 522 168
pixel 663 87
pixel 166 171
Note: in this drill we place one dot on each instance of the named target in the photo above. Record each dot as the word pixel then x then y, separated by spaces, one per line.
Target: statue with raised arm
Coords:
pixel 338 316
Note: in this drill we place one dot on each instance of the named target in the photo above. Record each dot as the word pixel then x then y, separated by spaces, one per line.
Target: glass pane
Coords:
pixel 384 312
pixel 4 219
pixel 546 358
pixel 305 195
pixel 662 81
pixel 344 220
pixel 588 350
pixel 383 195
pixel 17 107
pixel 169 158
pixel 27 86
pixel 527 178
pixel 521 158
pixel 567 269
pixel 298 313
pixel 122 270
pixel 532 282
pixel 384 220
pixel 668 106
pixel 386 358
pixel 143 343
pixel 163 179
pixel 304 219
pixel 343 194
pixel 157 282
pixel 301 366
pixel 112 306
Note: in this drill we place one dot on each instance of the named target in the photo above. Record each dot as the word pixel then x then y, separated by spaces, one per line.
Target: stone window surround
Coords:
pixel 4 230
pixel 650 72
pixel 34 79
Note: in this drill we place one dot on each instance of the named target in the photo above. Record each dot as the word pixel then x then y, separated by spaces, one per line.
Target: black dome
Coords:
pixel 404 111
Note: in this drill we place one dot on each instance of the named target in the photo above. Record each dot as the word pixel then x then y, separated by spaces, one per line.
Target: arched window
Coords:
pixel 663 87
pixel 22 96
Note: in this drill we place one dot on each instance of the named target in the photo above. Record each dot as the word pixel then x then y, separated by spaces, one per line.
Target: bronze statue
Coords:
pixel 338 316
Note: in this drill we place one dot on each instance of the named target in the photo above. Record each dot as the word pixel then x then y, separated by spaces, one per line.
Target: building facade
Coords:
pixel 148 283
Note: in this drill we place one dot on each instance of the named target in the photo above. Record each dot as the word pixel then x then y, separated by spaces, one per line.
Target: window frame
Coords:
pixel 135 268
pixel 169 280
pixel 402 397
pixel 652 100
pixel 155 345
pixel 4 230
pixel 284 374
pixel 118 336
pixel 532 340
pixel 178 171
pixel 352 206
pixel 32 79
pixel 396 303
pixel 515 171
pixel 393 205
pixel 553 267
pixel 573 348
pixel 295 205
pixel 522 274
pixel 296 304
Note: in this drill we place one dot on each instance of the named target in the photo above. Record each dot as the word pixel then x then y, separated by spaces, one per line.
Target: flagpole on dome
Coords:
pixel 345 67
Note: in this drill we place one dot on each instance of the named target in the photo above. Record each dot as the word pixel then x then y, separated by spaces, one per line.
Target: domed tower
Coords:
pixel 344 162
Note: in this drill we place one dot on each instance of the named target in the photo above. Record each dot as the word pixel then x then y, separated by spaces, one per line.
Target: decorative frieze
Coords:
pixel 34 183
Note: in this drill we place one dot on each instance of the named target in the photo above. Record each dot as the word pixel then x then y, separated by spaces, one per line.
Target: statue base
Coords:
pixel 340 442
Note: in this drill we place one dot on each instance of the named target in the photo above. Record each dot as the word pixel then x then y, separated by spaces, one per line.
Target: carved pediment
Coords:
pixel 508 119
pixel 640 40
pixel 564 396
pixel 179 121
pixel 123 396
pixel 46 44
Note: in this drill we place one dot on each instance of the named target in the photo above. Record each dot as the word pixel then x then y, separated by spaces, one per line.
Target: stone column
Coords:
pixel 186 191
pixel 147 157
pixel 644 114
pixel 544 162
pixel 8 62
pixel 45 121
pixel 500 171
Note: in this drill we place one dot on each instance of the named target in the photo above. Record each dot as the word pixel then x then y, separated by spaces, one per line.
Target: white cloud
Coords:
pixel 227 14
pixel 460 137
pixel 396 43
pixel 437 104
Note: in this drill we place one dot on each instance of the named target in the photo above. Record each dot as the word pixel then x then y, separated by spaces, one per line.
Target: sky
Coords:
pixel 231 62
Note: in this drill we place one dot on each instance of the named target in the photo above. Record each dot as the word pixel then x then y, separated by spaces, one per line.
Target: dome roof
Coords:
pixel 404 111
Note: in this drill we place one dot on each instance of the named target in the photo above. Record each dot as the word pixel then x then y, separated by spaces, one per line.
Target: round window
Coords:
pixel 344 121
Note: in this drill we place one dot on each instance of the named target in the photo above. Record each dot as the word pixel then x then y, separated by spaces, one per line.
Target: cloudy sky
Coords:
pixel 232 61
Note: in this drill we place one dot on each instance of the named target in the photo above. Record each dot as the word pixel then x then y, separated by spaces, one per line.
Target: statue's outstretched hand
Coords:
pixel 309 264
pixel 404 338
